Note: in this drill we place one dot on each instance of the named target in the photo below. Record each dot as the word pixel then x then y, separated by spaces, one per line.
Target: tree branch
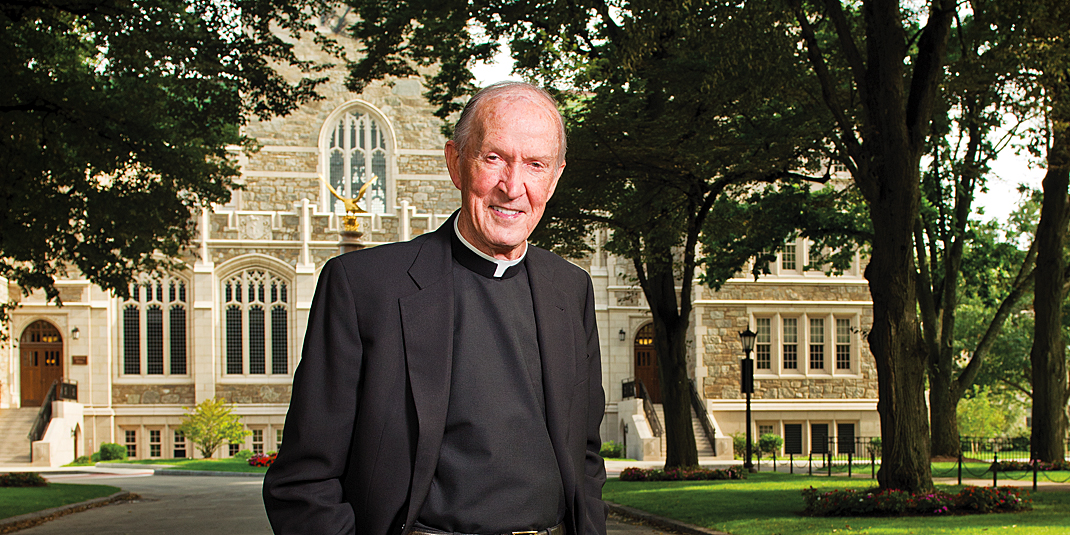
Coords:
pixel 824 77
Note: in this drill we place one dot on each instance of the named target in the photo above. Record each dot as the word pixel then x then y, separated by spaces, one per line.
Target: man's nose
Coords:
pixel 511 181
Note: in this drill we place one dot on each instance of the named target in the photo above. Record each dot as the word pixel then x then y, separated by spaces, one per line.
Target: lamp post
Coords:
pixel 747 385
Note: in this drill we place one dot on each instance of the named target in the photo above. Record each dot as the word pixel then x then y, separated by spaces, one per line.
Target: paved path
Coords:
pixel 188 504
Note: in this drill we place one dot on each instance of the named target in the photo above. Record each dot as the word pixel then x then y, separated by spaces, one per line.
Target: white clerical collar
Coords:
pixel 502 264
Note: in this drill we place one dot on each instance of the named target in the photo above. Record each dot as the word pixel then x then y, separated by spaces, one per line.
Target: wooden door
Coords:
pixel 41 354
pixel 646 362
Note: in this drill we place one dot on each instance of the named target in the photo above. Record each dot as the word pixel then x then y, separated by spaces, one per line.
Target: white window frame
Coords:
pixel 777 339
pixel 271 291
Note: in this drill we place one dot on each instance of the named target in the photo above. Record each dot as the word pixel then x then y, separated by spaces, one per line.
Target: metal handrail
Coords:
pixel 648 408
pixel 637 389
pixel 40 424
pixel 703 416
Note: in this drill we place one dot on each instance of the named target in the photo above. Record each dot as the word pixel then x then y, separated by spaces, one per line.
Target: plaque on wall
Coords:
pixel 80 360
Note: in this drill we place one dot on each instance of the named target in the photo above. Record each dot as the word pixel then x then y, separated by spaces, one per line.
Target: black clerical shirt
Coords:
pixel 496 471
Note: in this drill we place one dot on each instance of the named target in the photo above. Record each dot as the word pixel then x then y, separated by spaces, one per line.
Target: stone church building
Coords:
pixel 231 323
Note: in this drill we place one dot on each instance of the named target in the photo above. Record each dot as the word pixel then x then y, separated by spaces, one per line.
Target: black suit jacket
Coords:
pixel 369 401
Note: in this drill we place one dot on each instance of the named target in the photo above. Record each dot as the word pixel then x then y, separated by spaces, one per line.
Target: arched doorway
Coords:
pixel 41 352
pixel 646 362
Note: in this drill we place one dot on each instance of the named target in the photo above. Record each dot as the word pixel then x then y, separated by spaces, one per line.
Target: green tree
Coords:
pixel 983 413
pixel 975 99
pixel 663 125
pixel 1041 47
pixel 210 424
pixel 881 82
pixel 987 272
pixel 115 122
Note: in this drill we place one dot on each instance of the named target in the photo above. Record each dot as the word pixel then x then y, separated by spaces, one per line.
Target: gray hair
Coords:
pixel 467 125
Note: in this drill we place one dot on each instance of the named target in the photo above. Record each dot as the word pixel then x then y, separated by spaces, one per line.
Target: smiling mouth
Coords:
pixel 505 211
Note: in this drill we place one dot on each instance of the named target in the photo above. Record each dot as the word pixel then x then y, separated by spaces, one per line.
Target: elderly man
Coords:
pixel 452 383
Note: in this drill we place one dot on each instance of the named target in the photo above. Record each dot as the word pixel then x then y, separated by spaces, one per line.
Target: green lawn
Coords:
pixel 213 465
pixel 769 503
pixel 16 501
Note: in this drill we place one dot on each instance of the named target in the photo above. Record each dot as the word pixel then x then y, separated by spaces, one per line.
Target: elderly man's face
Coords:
pixel 508 172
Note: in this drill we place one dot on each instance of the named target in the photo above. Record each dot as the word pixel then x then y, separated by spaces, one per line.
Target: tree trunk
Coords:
pixel 896 337
pixel 943 403
pixel 1048 354
pixel 681 449
pixel 670 329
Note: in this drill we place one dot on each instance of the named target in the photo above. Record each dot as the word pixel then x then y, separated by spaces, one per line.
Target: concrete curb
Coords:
pixel 16 523
pixel 163 470
pixel 660 521
pixel 204 473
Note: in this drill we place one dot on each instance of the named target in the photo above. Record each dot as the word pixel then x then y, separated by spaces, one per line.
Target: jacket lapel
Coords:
pixel 427 327
pixel 557 351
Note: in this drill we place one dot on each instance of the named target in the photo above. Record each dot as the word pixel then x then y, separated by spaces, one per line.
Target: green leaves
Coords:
pixel 211 423
pixel 115 118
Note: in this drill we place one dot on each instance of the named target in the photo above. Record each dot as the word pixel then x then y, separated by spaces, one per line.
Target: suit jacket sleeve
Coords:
pixel 303 490
pixel 594 466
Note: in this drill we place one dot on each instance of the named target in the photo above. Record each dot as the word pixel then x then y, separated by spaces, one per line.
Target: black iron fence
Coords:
pixel 992 458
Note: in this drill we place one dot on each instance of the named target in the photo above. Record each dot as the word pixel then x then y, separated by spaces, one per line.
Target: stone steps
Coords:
pixel 15 424
pixel 705 449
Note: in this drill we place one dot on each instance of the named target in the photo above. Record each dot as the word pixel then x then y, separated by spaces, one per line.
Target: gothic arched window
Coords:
pixel 357 152
pixel 154 328
pixel 256 313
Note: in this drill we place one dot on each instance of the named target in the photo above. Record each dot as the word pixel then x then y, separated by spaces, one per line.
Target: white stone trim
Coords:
pixel 794 405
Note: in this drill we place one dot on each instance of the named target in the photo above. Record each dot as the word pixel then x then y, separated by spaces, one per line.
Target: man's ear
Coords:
pixel 453 163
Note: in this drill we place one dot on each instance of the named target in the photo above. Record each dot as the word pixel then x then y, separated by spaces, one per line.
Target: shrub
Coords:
pixel 739 445
pixel 22 479
pixel 262 460
pixel 875 502
pixel 244 455
pixel 680 474
pixel 988 499
pixel 611 449
pixel 847 502
pixel 110 451
pixel 769 443
pixel 1027 466
pixel 82 461
pixel 934 503
pixel 874 447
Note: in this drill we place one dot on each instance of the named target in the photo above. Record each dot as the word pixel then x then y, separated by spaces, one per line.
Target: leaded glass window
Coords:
pixel 154 327
pixel 256 322
pixel 356 154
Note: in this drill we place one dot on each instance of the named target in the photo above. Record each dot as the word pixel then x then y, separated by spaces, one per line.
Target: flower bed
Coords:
pixel 1027 466
pixel 262 460
pixel 847 502
pixel 22 479
pixel 680 474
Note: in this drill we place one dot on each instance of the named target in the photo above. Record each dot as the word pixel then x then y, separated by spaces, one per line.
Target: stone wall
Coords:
pixel 421 164
pixel 430 196
pixel 289 256
pixel 722 354
pixel 152 394
pixel 253 393
pixel 789 291
pixel 278 193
